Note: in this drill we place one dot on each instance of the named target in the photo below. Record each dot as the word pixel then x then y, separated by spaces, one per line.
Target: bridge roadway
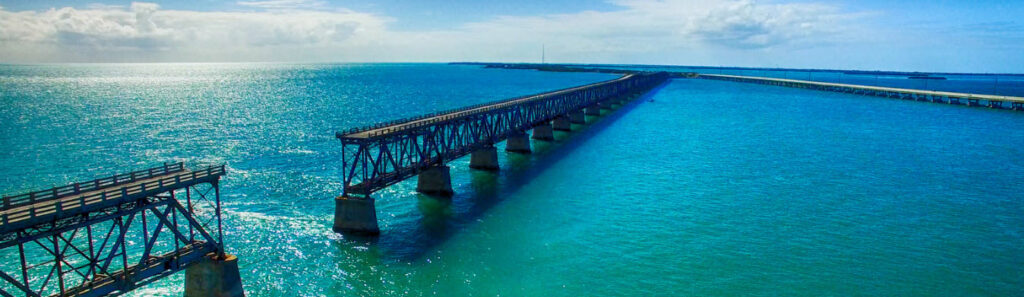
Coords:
pixel 991 101
pixel 399 126
pixel 38 207
pixel 378 156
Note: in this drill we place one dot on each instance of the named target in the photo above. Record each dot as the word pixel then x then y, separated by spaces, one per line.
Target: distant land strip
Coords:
pixel 611 68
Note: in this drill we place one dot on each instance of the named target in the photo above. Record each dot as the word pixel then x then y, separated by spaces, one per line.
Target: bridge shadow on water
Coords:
pixel 443 217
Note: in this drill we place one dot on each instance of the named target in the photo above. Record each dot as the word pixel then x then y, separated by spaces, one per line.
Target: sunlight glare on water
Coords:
pixel 711 188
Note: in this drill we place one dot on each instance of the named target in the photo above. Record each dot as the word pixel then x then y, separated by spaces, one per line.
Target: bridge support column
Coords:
pixel 214 278
pixel 436 180
pixel 593 111
pixel 577 117
pixel 485 158
pixel 562 124
pixel 355 215
pixel 607 106
pixel 543 132
pixel 519 143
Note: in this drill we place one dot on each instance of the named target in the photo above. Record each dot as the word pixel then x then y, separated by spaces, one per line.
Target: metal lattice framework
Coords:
pixel 110 235
pixel 381 155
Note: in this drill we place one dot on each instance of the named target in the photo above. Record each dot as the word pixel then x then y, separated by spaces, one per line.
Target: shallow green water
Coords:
pixel 714 188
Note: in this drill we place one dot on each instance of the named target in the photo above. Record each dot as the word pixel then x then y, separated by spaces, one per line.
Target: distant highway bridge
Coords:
pixel 955 98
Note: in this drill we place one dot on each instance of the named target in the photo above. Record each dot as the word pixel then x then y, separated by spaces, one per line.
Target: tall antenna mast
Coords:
pixel 542 53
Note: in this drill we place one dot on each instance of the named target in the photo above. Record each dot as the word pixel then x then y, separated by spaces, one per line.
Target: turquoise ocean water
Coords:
pixel 712 188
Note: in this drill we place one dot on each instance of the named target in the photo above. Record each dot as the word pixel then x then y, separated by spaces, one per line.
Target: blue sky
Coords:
pixel 967 36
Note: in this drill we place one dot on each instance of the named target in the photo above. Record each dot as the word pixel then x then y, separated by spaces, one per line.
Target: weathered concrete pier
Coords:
pixel 114 234
pixel 384 154
pixel 990 101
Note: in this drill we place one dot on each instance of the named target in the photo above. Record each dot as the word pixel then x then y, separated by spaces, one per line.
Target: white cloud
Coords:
pixel 302 30
pixel 283 4
pixel 144 31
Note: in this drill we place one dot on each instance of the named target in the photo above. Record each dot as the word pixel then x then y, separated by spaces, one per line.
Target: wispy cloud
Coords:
pixel 639 31
pixel 284 4
pixel 144 31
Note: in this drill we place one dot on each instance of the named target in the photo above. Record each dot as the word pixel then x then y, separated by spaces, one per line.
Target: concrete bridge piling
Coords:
pixel 543 132
pixel 485 158
pixel 215 277
pixel 518 143
pixel 577 117
pixel 561 124
pixel 355 215
pixel 436 181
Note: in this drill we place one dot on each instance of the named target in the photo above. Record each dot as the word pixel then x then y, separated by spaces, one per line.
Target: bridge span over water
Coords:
pixel 378 156
pixel 111 235
pixel 955 98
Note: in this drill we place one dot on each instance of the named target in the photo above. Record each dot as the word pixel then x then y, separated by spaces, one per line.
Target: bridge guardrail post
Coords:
pixel 58 208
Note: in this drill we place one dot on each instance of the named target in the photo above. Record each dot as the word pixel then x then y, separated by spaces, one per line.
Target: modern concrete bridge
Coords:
pixel 103 237
pixel 378 156
pixel 991 101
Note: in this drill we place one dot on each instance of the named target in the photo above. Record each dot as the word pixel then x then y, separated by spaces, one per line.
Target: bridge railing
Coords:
pixel 457 110
pixel 82 187
pixel 104 192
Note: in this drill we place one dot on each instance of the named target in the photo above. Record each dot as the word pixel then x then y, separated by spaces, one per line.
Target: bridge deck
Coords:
pixel 21 212
pixel 969 96
pixel 381 155
pixel 402 125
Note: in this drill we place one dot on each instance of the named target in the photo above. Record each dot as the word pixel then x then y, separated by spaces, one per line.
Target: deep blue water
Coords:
pixel 713 188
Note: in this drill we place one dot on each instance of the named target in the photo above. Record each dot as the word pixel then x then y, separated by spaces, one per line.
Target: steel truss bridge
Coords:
pixel 990 101
pixel 378 156
pixel 110 235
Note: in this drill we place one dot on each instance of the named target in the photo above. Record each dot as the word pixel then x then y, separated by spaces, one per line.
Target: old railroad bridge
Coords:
pixel 378 156
pixel 111 235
